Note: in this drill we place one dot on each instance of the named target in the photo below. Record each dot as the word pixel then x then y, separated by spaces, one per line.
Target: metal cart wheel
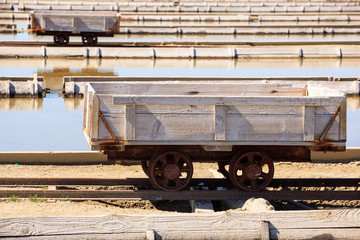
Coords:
pixel 251 171
pixel 89 39
pixel 170 171
pixel 145 166
pixel 61 39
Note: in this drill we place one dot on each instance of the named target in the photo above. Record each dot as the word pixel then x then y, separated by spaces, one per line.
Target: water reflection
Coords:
pixel 353 120
pixel 53 70
pixel 53 77
pixel 53 127
pixel 10 104
pixel 74 103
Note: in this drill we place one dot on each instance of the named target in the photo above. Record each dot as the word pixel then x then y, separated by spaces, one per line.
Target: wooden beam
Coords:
pixel 95 118
pixel 130 122
pixel 150 234
pixel 264 230
pixel 337 224
pixel 219 123
pixel 323 135
pixel 229 100
pixel 342 121
pixel 309 123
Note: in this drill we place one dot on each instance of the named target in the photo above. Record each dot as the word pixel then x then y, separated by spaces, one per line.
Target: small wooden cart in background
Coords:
pixel 89 25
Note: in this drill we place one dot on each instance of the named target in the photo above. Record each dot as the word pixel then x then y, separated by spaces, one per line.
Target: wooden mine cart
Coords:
pixel 243 127
pixel 88 24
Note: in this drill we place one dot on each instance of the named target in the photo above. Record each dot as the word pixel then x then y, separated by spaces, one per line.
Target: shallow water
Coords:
pixel 53 70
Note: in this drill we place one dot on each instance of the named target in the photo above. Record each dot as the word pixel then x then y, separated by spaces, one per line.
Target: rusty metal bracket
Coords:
pixel 323 135
pixel 108 127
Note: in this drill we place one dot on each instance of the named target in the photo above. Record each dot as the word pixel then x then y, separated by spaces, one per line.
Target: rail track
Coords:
pixel 140 188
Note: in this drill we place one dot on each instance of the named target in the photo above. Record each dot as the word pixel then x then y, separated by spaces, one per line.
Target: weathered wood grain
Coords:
pixel 219 122
pixel 228 100
pixel 342 121
pixel 130 122
pixel 198 89
pixel 95 117
pixel 309 123
pixel 264 230
pixel 338 224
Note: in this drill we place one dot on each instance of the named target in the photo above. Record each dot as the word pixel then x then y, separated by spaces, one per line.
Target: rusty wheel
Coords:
pixel 251 171
pixel 89 39
pixel 145 166
pixel 223 168
pixel 170 171
pixel 61 39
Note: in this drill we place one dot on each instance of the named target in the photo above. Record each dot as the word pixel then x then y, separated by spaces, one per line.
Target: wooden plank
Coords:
pixel 337 224
pixel 342 121
pixel 264 128
pixel 95 118
pixel 150 234
pixel 309 123
pixel 130 122
pixel 219 123
pixel 198 89
pixel 264 230
pixel 115 123
pixel 229 100
pixel 175 127
pixel 332 122
pixel 90 113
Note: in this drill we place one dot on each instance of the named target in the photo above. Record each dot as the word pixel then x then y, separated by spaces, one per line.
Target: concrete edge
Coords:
pixel 87 157
pixel 56 157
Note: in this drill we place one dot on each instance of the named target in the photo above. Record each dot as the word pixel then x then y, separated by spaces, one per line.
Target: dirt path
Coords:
pixel 16 208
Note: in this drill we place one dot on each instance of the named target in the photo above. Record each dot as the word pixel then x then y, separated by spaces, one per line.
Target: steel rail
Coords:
pixel 210 182
pixel 219 194
pixel 182 195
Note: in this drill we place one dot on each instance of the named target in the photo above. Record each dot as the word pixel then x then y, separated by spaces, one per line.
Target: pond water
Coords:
pixel 55 124
pixel 53 70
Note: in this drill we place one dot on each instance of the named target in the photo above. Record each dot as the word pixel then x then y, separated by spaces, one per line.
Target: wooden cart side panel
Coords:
pixel 89 107
pixel 199 123
pixel 321 121
pixel 130 122
pixel 309 124
pixel 198 89
pixel 95 117
pixel 175 127
pixel 342 120
pixel 225 100
pixel 116 124
pixel 57 23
